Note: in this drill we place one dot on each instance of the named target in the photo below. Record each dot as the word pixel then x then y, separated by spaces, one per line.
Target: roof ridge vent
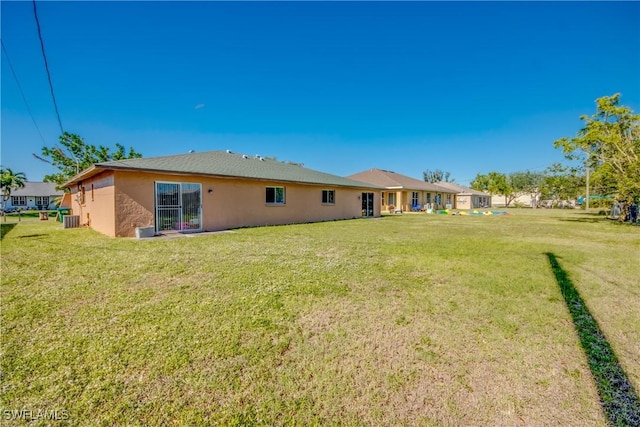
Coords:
pixel 244 156
pixel 229 152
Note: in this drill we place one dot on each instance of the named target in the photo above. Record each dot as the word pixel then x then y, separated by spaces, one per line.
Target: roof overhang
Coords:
pixel 97 169
pixel 87 173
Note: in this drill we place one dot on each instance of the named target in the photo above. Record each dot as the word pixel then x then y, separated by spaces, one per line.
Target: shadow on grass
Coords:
pixel 618 398
pixel 586 217
pixel 31 236
pixel 591 220
pixel 5 228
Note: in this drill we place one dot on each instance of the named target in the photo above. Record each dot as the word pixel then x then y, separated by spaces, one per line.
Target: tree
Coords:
pixel 526 182
pixel 609 145
pixel 494 183
pixel 9 181
pixel 74 155
pixel 561 183
pixel 437 176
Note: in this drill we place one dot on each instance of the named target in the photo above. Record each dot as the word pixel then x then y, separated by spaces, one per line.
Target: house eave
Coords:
pixel 96 169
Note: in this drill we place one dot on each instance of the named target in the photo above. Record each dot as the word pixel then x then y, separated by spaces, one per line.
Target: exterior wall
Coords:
pixel 134 200
pixel 242 203
pixel 464 202
pixel 232 203
pixel 96 208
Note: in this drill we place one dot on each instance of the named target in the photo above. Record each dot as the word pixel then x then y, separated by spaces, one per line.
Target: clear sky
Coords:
pixel 467 87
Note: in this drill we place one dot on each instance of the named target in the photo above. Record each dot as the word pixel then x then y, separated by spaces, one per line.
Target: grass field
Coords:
pixel 403 320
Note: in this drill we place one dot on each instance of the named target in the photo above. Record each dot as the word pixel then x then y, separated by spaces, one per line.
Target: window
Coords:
pixel 428 198
pixel 42 202
pixel 392 199
pixel 328 197
pixel 448 198
pixel 414 198
pixel 275 196
pixel 19 200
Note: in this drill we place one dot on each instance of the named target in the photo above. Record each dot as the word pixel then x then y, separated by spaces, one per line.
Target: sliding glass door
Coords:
pixel 178 206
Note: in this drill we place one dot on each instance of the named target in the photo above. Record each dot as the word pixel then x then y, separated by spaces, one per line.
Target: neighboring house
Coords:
pixel 34 195
pixel 522 200
pixel 211 191
pixel 467 198
pixel 405 193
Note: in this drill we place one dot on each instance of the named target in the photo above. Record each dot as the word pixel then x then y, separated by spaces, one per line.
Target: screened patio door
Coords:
pixel 178 206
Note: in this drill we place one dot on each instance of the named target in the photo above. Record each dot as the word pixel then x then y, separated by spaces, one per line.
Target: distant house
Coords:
pixel 467 198
pixel 34 195
pixel 210 191
pixel 406 193
pixel 528 200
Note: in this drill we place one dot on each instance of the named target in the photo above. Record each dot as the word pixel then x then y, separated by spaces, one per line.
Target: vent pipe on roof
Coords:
pixel 229 152
pixel 244 156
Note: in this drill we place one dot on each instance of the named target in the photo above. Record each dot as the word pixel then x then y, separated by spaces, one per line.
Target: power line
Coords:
pixel 46 66
pixel 24 98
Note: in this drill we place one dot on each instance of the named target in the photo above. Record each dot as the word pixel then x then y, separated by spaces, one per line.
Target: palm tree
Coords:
pixel 10 181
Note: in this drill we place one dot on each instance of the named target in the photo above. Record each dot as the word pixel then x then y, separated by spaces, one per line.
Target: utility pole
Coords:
pixel 587 207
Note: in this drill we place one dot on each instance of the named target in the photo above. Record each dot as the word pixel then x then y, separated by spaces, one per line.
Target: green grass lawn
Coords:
pixel 403 320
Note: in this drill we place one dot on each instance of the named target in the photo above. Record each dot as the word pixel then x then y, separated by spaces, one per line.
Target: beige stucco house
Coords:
pixel 211 191
pixel 405 193
pixel 467 198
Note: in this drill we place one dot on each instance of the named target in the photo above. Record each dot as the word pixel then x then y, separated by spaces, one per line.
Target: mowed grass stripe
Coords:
pixel 404 320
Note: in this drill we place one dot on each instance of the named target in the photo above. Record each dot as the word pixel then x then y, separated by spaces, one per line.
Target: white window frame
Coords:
pixel 18 200
pixel 328 197
pixel 40 201
pixel 276 201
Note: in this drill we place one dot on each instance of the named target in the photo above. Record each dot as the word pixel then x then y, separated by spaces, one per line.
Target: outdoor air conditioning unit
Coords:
pixel 71 221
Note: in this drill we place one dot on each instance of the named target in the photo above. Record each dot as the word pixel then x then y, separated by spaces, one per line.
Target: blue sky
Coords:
pixel 467 87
